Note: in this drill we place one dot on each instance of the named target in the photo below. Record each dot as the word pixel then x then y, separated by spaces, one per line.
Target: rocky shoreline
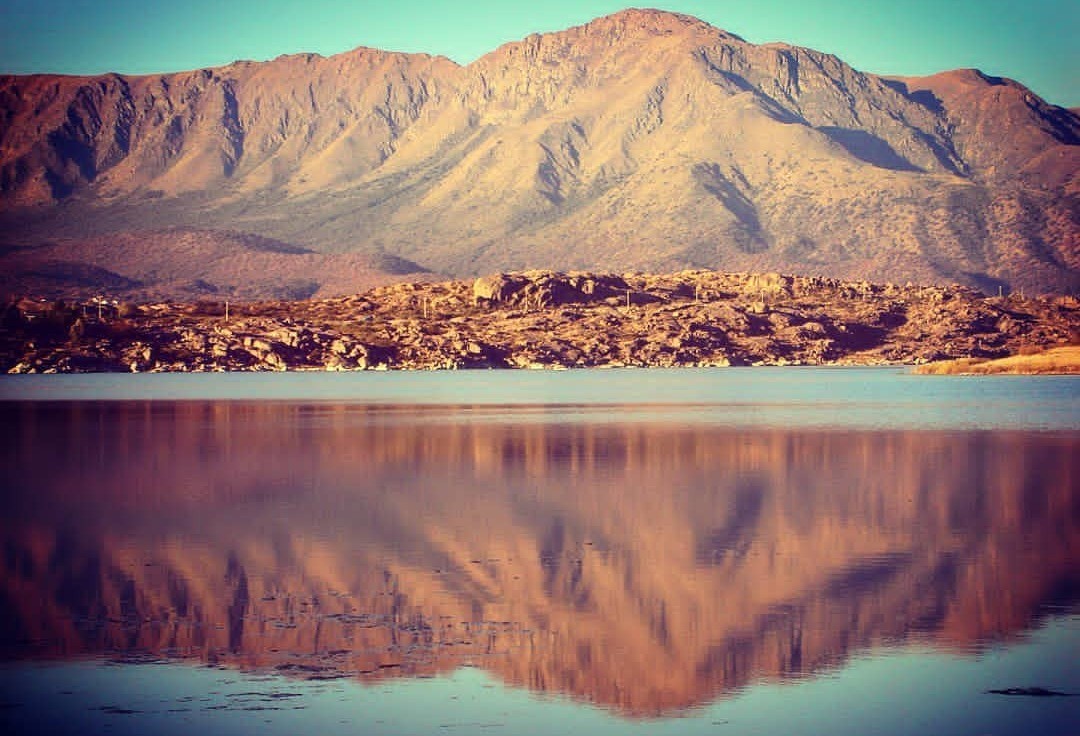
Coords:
pixel 543 319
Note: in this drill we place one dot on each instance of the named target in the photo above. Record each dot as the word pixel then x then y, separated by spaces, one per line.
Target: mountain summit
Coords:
pixel 641 140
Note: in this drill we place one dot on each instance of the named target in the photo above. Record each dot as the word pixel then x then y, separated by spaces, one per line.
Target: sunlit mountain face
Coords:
pixel 645 566
pixel 643 140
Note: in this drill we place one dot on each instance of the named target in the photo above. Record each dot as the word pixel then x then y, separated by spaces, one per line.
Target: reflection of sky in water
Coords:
pixel 848 397
pixel 660 544
pixel 893 691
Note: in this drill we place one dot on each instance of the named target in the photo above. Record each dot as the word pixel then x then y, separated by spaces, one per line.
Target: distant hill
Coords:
pixel 642 140
pixel 192 264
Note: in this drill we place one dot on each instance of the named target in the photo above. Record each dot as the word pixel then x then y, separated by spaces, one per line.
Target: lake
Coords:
pixel 751 551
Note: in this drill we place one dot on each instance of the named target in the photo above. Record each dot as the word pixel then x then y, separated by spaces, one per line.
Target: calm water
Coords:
pixel 729 551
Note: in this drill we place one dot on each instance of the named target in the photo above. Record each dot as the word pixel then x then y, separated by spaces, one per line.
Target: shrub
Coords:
pixel 127 310
pixel 208 308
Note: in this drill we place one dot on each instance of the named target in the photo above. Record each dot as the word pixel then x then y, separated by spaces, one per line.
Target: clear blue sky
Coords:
pixel 1033 41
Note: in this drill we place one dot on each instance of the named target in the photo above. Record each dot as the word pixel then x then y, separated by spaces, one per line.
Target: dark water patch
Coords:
pixel 117 710
pixel 867 574
pixel 1032 692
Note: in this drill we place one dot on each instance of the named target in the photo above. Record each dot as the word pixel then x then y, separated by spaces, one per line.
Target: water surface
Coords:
pixel 807 397
pixel 770 551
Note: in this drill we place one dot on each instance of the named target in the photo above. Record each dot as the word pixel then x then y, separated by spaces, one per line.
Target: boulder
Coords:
pixel 492 289
pixel 536 289
pixel 769 284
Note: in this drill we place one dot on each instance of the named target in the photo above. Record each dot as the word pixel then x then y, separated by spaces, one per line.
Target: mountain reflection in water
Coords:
pixel 644 566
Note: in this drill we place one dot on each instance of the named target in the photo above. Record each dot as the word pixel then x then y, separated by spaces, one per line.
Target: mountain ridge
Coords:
pixel 640 140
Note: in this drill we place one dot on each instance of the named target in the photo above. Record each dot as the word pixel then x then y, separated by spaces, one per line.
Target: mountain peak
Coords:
pixel 650 17
pixel 630 28
pixel 958 79
pixel 653 22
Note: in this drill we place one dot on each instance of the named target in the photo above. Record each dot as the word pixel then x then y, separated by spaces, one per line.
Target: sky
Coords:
pixel 1032 41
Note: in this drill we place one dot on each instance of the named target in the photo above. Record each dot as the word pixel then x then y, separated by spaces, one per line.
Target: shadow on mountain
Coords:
pixel 924 97
pixel 869 148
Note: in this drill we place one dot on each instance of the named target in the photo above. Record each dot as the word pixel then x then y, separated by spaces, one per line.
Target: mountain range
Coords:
pixel 643 140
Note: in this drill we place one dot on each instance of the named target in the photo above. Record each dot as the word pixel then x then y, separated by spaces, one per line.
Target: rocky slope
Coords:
pixel 543 319
pixel 643 140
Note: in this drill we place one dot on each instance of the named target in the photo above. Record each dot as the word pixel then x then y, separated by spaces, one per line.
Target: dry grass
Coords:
pixel 1060 360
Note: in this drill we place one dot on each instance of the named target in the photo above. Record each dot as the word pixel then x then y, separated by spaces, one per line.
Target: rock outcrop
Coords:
pixel 547 289
pixel 544 319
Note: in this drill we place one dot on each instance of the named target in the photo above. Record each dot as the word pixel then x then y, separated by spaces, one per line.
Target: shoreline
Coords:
pixel 1055 361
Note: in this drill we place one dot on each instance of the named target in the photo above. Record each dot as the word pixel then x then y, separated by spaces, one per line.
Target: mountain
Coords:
pixel 642 140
